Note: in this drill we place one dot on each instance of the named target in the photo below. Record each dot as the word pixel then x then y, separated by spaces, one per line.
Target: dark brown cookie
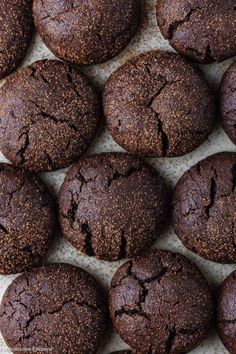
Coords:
pixel 112 206
pixel 158 104
pixel 160 303
pixel 49 114
pixel 27 219
pixel 226 313
pixel 16 23
pixel 58 307
pixel 228 102
pixel 203 30
pixel 204 208
pixel 86 32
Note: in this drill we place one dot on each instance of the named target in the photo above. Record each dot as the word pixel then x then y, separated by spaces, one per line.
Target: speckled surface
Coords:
pixel 147 38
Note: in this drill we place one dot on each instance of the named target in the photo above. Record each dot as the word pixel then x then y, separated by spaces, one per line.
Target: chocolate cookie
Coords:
pixel 203 30
pixel 228 102
pixel 112 206
pixel 86 32
pixel 226 313
pixel 58 307
pixel 158 104
pixel 204 208
pixel 27 219
pixel 16 23
pixel 49 114
pixel 160 303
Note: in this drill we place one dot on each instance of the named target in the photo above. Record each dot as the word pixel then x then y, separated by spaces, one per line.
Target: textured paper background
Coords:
pixel 147 38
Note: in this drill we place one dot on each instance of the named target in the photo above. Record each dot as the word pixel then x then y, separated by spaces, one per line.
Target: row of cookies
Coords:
pixel 159 303
pixel 114 206
pixel 85 33
pixel 156 105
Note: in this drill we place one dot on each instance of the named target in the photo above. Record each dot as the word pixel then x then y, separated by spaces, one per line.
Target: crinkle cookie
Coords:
pixel 158 105
pixel 203 30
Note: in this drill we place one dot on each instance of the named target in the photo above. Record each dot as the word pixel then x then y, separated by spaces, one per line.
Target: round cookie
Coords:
pixel 157 105
pixel 49 114
pixel 226 313
pixel 203 30
pixel 86 32
pixel 16 23
pixel 57 307
pixel 112 206
pixel 228 102
pixel 204 208
pixel 27 219
pixel 160 303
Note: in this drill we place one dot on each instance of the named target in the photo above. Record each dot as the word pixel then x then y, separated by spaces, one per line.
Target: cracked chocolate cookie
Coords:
pixel 204 208
pixel 16 23
pixel 49 114
pixel 58 307
pixel 86 32
pixel 228 102
pixel 112 206
pixel 157 105
pixel 160 303
pixel 27 219
pixel 226 313
pixel 203 30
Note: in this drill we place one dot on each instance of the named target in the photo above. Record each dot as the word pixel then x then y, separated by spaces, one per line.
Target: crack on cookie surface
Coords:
pixel 173 27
